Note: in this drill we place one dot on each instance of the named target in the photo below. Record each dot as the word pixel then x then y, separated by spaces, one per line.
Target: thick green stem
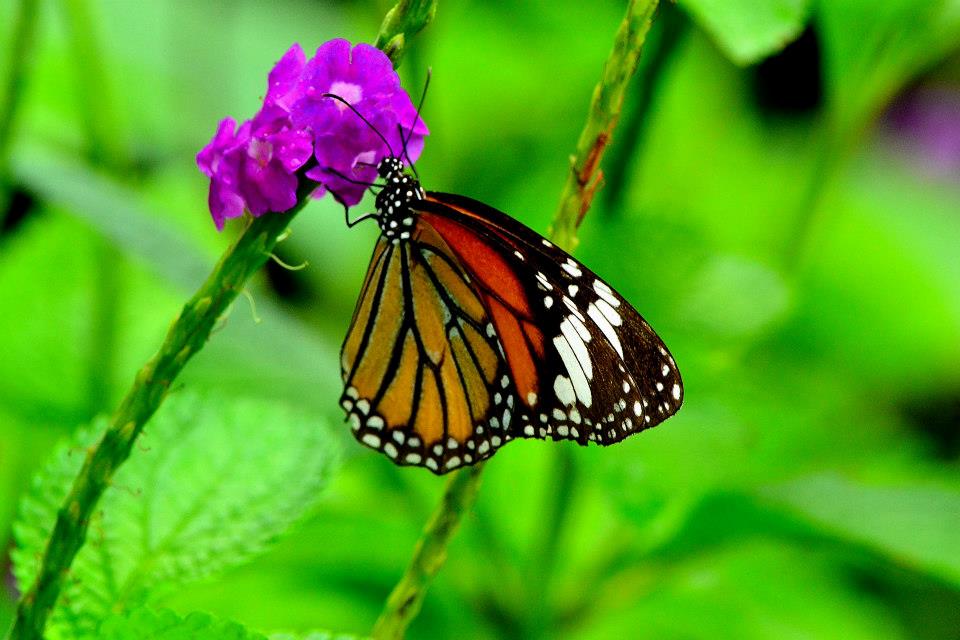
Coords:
pixel 585 174
pixel 584 178
pixel 187 335
pixel 405 600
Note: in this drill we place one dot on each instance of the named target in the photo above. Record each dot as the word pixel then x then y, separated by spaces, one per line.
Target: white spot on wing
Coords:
pixel 571 267
pixel 581 385
pixel 579 347
pixel 605 292
pixel 564 390
pixel 608 331
pixel 609 312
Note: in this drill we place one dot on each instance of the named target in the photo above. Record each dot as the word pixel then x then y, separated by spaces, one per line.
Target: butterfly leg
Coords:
pixel 346 211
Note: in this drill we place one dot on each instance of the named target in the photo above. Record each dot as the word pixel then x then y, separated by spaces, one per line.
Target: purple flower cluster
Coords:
pixel 256 167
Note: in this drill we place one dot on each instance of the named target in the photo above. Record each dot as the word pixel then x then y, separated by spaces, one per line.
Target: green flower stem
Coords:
pixel 405 20
pixel 186 336
pixel 659 52
pixel 11 94
pixel 577 197
pixel 585 174
pixel 405 600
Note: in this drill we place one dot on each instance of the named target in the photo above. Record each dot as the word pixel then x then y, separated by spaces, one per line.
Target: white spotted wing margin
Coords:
pixel 425 382
pixel 605 374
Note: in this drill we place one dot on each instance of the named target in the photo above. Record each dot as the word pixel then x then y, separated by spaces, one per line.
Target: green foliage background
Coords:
pixel 802 265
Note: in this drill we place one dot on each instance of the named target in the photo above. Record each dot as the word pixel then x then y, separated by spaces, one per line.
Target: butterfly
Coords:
pixel 472 329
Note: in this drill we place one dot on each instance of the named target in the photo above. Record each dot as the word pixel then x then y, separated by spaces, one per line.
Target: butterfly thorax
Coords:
pixel 394 214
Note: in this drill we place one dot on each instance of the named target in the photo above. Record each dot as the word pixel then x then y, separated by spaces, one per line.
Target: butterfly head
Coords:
pixel 390 167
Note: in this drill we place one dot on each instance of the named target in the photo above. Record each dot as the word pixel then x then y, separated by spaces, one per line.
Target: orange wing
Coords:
pixel 424 374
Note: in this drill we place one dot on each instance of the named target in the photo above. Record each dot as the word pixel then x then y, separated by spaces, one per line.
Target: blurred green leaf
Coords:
pixel 214 481
pixel 747 591
pixel 115 210
pixel 45 344
pixel 735 298
pixel 749 30
pixel 146 624
pixel 871 49
pixel 242 350
pixel 914 524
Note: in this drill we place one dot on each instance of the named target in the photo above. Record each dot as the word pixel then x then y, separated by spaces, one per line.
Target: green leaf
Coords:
pixel 751 590
pixel 895 40
pixel 145 624
pixel 114 210
pixel 212 483
pixel 914 524
pixel 734 297
pixel 284 348
pixel 749 30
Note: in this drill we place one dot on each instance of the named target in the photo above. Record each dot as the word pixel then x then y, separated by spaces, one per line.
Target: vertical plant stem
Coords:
pixel 585 175
pixel 560 484
pixel 405 600
pixel 187 335
pixel 577 196
pixel 11 96
pixel 665 35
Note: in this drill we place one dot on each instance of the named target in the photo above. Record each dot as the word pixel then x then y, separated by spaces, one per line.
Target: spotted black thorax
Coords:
pixel 394 215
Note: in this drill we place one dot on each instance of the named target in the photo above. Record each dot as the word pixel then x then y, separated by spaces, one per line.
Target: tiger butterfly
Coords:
pixel 471 330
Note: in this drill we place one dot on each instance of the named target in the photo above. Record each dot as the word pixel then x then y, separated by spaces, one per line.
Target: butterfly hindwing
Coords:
pixel 425 378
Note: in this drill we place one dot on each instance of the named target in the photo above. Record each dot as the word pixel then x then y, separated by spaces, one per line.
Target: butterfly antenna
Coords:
pixel 360 115
pixel 416 119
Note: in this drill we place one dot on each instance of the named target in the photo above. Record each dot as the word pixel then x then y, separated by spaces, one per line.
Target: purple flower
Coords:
pixel 219 161
pixel 258 167
pixel 363 77
pixel 284 79
pixel 254 169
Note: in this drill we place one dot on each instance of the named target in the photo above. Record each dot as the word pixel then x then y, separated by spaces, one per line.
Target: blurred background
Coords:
pixel 781 202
